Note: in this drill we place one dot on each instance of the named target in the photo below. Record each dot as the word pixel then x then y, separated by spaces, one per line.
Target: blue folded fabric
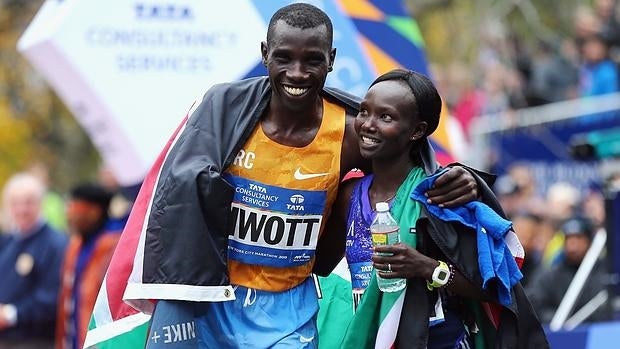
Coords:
pixel 494 257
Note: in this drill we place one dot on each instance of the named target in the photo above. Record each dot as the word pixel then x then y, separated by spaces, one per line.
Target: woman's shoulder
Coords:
pixel 350 182
pixel 345 193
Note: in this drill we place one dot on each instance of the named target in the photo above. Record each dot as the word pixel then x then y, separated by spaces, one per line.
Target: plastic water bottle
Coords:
pixel 385 231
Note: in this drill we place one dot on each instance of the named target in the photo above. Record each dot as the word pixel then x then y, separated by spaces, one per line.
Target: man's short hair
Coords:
pixel 93 193
pixel 302 16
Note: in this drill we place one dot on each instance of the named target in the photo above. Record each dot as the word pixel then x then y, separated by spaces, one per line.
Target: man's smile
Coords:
pixel 295 91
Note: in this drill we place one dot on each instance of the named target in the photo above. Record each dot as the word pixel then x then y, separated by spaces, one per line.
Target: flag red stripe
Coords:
pixel 122 262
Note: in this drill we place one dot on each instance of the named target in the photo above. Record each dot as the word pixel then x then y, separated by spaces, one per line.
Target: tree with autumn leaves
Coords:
pixel 35 126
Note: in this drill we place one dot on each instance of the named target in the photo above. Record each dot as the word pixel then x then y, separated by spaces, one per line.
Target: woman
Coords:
pixel 400 110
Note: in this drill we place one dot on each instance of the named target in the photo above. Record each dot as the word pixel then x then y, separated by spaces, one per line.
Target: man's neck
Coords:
pixel 287 117
pixel 90 233
pixel 296 128
pixel 29 231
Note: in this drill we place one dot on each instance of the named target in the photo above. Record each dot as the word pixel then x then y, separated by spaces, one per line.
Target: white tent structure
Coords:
pixel 130 70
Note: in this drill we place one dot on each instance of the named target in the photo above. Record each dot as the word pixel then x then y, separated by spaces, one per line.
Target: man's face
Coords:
pixel 24 207
pixel 298 61
pixel 83 217
pixel 575 248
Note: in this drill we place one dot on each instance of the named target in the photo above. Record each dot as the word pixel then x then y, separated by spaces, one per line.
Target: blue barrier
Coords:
pixel 603 335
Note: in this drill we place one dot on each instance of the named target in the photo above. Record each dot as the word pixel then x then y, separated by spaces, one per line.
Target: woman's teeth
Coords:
pixel 367 140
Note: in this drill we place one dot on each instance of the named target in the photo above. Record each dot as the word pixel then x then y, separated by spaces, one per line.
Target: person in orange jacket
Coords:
pixel 93 240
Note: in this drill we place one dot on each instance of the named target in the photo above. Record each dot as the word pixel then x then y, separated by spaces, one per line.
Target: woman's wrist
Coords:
pixel 429 268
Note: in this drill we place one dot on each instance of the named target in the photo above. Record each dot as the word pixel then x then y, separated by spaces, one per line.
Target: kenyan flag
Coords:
pixel 114 322
pixel 373 326
pixel 335 306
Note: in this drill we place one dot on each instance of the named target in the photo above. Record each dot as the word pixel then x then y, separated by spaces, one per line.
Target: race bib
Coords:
pixel 274 226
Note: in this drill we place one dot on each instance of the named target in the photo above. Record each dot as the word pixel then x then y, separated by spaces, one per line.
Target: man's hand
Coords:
pixel 453 188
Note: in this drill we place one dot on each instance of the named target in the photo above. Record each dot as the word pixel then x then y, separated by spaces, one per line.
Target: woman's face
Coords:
pixel 386 123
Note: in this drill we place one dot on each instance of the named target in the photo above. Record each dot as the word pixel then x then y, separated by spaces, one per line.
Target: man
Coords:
pixel 578 236
pixel 30 267
pixel 92 243
pixel 232 211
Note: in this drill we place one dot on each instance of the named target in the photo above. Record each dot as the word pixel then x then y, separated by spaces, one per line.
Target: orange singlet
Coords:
pixel 282 194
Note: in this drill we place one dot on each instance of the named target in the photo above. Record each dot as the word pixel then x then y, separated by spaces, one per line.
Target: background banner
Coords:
pixel 129 70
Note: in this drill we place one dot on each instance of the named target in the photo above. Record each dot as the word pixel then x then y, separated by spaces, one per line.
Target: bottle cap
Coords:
pixel 382 207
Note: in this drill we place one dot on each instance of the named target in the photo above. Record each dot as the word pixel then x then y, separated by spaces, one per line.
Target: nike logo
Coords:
pixel 301 176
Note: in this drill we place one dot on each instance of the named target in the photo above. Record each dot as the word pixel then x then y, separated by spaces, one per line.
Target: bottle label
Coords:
pixel 379 238
pixel 386 238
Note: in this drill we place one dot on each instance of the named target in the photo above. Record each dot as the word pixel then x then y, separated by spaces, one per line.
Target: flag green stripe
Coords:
pixel 336 310
pixel 131 330
pixel 134 339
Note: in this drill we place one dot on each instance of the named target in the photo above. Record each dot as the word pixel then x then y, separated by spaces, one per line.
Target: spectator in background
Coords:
pixel 507 192
pixel 53 204
pixel 122 197
pixel 86 261
pixel 527 227
pixel 528 198
pixel 593 205
pixel 571 57
pixel 495 98
pixel 30 261
pixel 467 102
pixel 517 192
pixel 598 74
pixel 605 10
pixel 562 202
pixel 545 300
pixel 552 76
pixel 586 24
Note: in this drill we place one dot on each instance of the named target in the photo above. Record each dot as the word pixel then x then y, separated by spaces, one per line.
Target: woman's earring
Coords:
pixel 417 136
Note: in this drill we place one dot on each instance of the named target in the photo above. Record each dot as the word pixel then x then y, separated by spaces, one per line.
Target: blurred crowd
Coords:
pixel 510 74
pixel 54 252
pixel 556 231
pixel 556 224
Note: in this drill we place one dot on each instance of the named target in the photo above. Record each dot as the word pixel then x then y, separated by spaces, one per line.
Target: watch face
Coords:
pixel 441 275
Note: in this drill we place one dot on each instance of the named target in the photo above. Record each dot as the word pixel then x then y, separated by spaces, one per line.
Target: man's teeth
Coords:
pixel 295 91
pixel 367 140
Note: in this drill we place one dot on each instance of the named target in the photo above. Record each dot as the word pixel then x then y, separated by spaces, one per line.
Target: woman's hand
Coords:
pixel 453 188
pixel 404 262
